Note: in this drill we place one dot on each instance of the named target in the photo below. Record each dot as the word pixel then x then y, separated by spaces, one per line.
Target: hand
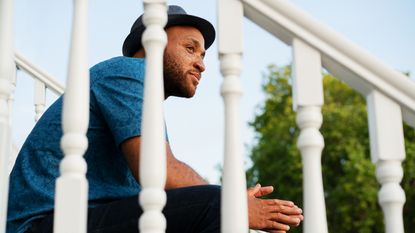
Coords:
pixel 271 215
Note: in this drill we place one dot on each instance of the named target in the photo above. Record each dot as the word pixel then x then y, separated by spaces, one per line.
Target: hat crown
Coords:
pixel 176 10
pixel 172 10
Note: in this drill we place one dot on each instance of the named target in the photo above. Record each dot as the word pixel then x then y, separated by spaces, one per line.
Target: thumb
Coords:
pixel 253 190
pixel 264 191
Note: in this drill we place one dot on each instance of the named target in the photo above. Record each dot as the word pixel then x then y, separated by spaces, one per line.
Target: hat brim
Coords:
pixel 133 41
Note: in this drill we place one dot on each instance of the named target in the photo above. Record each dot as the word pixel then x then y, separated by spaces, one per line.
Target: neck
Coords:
pixel 140 53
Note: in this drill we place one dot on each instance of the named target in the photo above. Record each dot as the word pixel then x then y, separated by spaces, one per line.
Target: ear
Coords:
pixel 141 53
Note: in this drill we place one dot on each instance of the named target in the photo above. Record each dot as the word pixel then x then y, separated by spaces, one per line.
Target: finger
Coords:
pixel 273 231
pixel 264 191
pixel 276 226
pixel 279 202
pixel 253 190
pixel 300 216
pixel 285 219
pixel 300 219
pixel 283 209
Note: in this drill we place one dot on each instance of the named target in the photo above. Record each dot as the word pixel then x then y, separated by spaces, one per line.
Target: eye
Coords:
pixel 190 49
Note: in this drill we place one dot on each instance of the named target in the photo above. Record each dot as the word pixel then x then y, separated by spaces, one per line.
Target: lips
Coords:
pixel 196 76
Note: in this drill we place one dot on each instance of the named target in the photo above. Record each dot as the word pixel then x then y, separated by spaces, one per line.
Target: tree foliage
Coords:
pixel 349 179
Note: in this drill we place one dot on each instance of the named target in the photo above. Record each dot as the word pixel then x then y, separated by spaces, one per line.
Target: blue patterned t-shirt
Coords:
pixel 116 95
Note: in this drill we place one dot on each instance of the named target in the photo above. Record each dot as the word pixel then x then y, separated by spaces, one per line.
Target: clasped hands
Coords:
pixel 271 215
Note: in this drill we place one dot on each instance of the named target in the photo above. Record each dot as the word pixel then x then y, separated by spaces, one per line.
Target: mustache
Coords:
pixel 196 73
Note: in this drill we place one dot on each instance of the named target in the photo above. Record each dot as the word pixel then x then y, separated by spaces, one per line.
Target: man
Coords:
pixel 114 131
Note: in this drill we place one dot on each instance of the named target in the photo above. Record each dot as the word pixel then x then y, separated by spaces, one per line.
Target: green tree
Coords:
pixel 349 179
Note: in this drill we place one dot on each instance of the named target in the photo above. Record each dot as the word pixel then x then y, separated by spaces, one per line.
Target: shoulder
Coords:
pixel 119 67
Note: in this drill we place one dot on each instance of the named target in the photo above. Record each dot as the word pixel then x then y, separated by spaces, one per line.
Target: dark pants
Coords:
pixel 191 209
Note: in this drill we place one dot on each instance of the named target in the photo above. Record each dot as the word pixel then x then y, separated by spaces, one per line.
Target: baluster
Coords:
pixel 153 152
pixel 308 99
pixel 71 198
pixel 234 214
pixel 7 71
pixel 387 151
pixel 39 98
pixel 14 149
pixel 11 98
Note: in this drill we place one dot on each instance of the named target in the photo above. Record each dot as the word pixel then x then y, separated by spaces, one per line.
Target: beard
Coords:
pixel 175 82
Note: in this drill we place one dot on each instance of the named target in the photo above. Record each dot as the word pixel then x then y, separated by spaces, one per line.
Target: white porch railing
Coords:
pixel 46 79
pixel 234 215
pixel 43 82
pixel 390 99
pixel 153 151
pixel 7 74
pixel 71 194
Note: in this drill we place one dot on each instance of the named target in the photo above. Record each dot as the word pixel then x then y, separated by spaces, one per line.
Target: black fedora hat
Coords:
pixel 176 16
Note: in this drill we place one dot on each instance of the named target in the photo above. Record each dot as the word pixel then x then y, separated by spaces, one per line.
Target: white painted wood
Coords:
pixel 387 152
pixel 234 208
pixel 341 57
pixel 308 89
pixel 39 99
pixel 153 150
pixel 311 143
pixel 7 72
pixel 13 155
pixel 307 79
pixel 230 17
pixel 14 149
pixel 50 82
pixel 42 79
pixel 11 98
pixel 234 214
pixel 71 199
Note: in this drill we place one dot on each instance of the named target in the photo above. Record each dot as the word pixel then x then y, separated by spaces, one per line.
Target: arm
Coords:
pixel 179 174
pixel 271 215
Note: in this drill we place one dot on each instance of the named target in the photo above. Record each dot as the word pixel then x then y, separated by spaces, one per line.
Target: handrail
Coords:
pixel 39 74
pixel 363 71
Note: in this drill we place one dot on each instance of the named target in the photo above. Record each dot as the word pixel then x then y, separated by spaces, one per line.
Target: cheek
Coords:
pixel 182 57
pixel 183 63
pixel 181 60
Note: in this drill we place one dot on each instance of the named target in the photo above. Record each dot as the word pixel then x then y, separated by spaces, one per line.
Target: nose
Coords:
pixel 200 65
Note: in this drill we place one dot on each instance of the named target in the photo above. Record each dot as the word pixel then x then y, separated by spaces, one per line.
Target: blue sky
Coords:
pixel 42 31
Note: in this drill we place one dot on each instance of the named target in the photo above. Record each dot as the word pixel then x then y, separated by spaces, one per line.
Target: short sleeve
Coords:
pixel 119 100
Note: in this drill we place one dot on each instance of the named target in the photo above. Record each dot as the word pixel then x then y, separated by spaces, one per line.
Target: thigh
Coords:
pixel 193 209
pixel 188 209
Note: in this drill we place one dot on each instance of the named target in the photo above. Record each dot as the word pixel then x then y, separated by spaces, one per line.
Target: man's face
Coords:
pixel 183 61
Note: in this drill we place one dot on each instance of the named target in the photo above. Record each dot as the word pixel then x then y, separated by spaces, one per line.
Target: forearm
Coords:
pixel 180 174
